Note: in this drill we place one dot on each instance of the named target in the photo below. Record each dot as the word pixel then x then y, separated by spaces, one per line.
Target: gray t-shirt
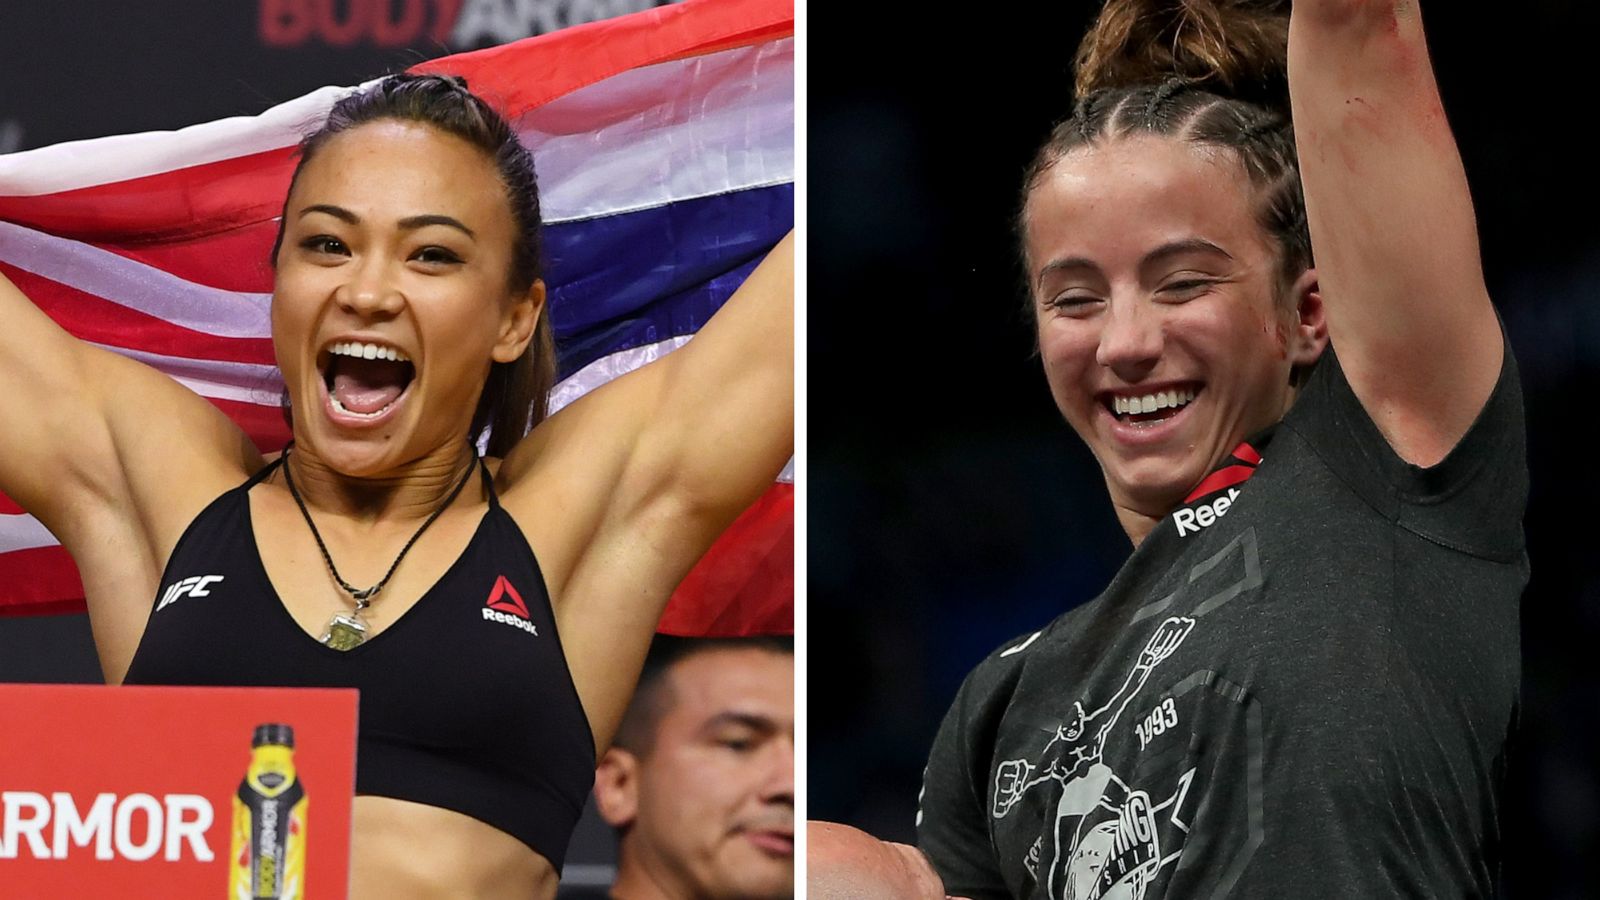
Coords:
pixel 1300 685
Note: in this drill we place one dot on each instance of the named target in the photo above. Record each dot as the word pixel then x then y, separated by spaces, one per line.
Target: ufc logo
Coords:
pixel 193 586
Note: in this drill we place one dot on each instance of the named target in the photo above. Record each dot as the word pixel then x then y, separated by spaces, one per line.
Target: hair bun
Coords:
pixel 1235 48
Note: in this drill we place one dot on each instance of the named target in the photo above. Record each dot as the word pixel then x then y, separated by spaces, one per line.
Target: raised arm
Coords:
pixel 110 455
pixel 1391 219
pixel 623 491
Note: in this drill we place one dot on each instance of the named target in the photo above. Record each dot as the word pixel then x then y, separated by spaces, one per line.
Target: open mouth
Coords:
pixel 365 380
pixel 1152 408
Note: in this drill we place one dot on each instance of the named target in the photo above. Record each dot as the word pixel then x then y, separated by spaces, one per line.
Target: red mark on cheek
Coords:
pixel 1279 333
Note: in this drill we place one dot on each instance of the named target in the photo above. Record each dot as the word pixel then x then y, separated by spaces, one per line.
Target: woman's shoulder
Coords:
pixel 1473 499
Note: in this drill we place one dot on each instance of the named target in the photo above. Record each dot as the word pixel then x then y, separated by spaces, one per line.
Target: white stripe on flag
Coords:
pixel 23 533
pixel 135 285
pixel 621 363
pixel 81 164
pixel 608 367
pixel 672 131
pixel 243 382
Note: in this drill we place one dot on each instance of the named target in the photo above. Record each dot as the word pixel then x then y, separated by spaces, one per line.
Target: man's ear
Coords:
pixel 616 787
pixel 521 318
pixel 1308 332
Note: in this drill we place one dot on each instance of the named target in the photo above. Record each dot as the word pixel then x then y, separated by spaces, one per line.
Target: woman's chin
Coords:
pixel 352 442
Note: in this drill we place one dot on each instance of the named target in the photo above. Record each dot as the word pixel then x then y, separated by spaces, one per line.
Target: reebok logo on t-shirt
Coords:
pixel 1190 520
pixel 1237 469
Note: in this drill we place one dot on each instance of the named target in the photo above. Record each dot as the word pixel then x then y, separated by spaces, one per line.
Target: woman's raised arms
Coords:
pixel 1391 219
pixel 621 492
pixel 110 455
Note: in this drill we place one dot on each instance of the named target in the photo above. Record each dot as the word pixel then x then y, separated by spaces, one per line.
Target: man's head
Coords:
pixel 699 782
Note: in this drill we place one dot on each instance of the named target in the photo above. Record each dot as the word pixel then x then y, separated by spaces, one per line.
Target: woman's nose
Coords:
pixel 1130 341
pixel 371 291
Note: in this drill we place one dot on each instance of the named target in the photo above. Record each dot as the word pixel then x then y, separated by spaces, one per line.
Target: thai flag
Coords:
pixel 664 143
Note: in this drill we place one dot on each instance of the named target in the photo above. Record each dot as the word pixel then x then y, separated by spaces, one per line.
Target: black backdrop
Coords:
pixel 85 68
pixel 950 507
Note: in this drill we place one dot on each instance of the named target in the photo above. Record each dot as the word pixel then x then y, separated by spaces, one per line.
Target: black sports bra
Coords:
pixel 466 700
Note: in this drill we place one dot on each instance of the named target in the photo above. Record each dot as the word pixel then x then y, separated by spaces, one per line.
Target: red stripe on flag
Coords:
pixel 247 190
pixel 93 318
pixel 745 582
pixel 1222 478
pixel 263 424
pixel 183 203
pixel 234 260
pixel 39 581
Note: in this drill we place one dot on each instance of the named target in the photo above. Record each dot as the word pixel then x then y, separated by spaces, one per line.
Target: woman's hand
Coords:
pixel 844 863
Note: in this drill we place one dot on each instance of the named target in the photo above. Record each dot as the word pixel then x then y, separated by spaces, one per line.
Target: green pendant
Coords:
pixel 345 632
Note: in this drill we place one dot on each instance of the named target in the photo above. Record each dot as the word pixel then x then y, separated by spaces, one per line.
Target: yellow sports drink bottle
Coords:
pixel 269 822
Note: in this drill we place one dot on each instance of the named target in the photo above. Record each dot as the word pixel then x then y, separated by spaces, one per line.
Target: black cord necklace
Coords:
pixel 345 631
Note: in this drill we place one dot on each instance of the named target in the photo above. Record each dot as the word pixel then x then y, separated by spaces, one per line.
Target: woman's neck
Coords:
pixel 1138 525
pixel 409 493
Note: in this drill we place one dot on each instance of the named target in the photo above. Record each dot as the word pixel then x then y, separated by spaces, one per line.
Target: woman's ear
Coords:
pixel 520 319
pixel 1308 332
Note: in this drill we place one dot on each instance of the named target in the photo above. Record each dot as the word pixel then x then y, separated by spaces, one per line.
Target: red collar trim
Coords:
pixel 1241 465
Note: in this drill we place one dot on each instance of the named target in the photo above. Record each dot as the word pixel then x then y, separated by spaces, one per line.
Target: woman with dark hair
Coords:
pixel 379 551
pixel 1302 681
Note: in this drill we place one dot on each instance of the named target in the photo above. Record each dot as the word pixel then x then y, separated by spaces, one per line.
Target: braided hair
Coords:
pixel 1211 72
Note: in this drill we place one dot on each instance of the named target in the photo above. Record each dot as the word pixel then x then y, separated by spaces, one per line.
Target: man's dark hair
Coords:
pixel 653 697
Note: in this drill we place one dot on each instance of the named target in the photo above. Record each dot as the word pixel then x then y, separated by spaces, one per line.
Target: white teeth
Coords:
pixel 1149 403
pixel 361 350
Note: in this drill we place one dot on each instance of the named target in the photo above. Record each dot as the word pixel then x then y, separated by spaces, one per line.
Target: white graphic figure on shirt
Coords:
pixel 1088 784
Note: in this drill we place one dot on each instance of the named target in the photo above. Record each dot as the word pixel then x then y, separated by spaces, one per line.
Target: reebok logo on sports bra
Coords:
pixel 194 586
pixel 506 607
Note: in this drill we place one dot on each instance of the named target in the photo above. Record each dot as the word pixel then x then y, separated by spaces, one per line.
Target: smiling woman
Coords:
pixel 1163 388
pixel 407 316
pixel 1274 336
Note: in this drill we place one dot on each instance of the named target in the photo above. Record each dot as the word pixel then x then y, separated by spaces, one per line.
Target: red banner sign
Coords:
pixel 168 792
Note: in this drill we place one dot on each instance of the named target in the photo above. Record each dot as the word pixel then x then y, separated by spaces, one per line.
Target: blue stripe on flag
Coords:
pixel 636 278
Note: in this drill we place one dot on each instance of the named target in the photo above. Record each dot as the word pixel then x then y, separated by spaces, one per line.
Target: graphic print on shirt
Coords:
pixel 1129 840
pixel 1120 820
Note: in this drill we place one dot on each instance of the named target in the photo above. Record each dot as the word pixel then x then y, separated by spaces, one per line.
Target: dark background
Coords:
pixel 77 69
pixel 950 506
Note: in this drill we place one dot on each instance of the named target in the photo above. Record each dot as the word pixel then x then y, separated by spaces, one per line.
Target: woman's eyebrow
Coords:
pixel 1069 264
pixel 1177 248
pixel 414 222
pixel 338 212
pixel 409 223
